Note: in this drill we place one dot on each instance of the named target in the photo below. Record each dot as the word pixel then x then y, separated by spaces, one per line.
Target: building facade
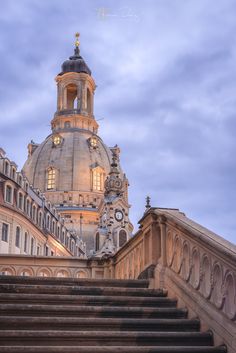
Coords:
pixel 29 224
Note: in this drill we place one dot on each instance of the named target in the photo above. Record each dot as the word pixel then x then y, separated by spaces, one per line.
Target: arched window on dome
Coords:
pixel 71 96
pixel 97 179
pixel 51 178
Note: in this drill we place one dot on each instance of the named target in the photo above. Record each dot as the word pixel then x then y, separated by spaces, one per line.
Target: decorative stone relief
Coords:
pixel 206 278
pixel 195 268
pixel 205 273
pixel 185 273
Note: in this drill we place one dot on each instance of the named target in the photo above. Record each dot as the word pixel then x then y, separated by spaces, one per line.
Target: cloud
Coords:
pixel 166 77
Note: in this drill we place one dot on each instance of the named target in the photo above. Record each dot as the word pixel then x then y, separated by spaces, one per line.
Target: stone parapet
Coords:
pixel 43 266
pixel 191 263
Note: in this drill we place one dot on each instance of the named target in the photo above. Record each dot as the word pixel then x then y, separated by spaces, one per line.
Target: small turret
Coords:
pixel 113 183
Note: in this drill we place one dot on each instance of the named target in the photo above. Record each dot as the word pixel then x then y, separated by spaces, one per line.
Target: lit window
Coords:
pixel 51 179
pixel 93 142
pixel 56 140
pixel 17 241
pixel 97 180
pixel 8 193
pixel 5 228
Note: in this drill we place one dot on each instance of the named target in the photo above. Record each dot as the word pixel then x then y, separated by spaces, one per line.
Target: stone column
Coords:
pixel 162 223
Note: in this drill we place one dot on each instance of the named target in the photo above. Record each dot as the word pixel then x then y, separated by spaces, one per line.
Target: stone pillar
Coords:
pixel 162 223
pixel 159 281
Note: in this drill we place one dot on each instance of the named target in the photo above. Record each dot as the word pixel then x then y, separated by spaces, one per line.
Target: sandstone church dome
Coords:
pixel 72 154
pixel 70 167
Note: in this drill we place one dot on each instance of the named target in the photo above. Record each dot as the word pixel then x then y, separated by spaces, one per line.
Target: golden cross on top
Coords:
pixel 77 43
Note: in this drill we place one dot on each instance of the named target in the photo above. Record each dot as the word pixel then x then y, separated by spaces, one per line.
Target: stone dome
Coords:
pixel 73 158
pixel 70 167
pixel 75 64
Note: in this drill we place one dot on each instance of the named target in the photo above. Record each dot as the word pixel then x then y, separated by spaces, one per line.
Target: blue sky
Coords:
pixel 166 91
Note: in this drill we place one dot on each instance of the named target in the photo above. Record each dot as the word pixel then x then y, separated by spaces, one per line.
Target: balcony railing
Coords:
pixel 68 112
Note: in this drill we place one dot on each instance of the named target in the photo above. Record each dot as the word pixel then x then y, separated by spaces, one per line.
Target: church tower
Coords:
pixel 114 227
pixel 75 96
pixel 70 167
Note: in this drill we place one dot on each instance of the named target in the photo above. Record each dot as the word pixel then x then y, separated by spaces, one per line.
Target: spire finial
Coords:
pixel 77 43
pixel 148 199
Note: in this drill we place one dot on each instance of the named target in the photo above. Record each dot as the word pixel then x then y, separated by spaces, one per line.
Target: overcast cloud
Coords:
pixel 166 77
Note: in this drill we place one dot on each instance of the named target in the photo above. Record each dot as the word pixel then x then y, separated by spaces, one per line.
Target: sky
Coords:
pixel 166 93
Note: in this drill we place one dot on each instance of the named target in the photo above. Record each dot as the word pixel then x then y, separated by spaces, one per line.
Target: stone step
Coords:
pixel 75 281
pixel 97 324
pixel 77 290
pixel 90 311
pixel 87 299
pixel 104 338
pixel 66 315
pixel 113 349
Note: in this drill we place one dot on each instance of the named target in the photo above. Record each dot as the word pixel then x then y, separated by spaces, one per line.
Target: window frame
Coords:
pixel 51 178
pixel 5 232
pixel 8 196
pixel 17 237
pixel 26 242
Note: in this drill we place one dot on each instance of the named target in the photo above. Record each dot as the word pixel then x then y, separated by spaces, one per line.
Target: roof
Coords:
pixel 75 63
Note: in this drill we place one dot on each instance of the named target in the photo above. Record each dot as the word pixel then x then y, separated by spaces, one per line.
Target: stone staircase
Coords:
pixel 52 315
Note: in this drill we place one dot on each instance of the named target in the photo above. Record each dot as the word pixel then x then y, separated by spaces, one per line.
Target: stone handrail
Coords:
pixel 139 253
pixel 192 263
pixel 201 259
pixel 51 266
